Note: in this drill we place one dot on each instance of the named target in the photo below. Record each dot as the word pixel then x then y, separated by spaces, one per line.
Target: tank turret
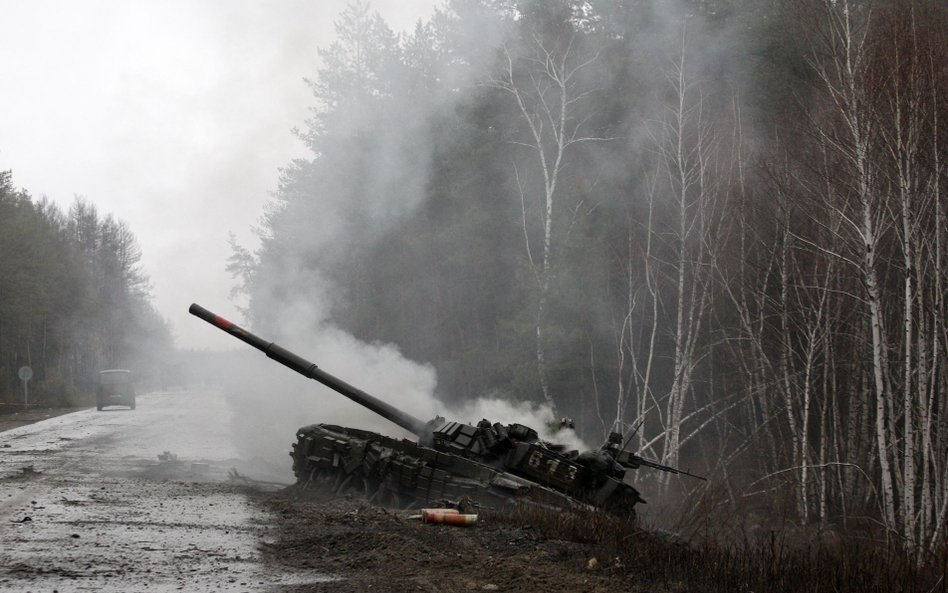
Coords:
pixel 491 463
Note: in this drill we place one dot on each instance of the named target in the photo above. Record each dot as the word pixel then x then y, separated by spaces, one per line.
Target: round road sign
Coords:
pixel 25 373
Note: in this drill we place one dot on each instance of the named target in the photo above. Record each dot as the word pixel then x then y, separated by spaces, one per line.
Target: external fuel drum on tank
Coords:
pixel 493 464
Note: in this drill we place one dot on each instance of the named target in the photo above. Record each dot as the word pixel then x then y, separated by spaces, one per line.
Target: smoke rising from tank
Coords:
pixel 271 402
pixel 299 297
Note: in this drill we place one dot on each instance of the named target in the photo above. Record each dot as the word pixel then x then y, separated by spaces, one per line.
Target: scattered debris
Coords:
pixel 670 537
pixel 235 476
pixel 378 554
pixel 464 505
pixel 451 519
pixel 448 516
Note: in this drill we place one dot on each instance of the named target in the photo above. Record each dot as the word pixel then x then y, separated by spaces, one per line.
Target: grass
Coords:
pixel 777 562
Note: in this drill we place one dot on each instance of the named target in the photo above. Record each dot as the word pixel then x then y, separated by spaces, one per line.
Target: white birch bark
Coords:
pixel 686 153
pixel 546 89
pixel 843 85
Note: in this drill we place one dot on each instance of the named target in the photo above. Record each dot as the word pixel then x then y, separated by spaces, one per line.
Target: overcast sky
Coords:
pixel 173 115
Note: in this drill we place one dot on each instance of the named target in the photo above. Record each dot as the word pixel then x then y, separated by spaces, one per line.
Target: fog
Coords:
pixel 716 227
pixel 295 297
pixel 174 116
pixel 178 116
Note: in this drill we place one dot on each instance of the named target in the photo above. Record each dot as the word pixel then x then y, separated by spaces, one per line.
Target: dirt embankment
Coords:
pixel 360 547
pixel 16 415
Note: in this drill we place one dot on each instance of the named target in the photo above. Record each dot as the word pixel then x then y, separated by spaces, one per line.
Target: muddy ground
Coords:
pixel 14 416
pixel 158 499
pixel 375 549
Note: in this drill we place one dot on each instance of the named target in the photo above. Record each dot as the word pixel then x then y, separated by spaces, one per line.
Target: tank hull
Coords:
pixel 405 474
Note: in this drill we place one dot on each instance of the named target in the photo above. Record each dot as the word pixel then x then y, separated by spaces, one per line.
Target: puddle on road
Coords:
pixel 129 535
pixel 309 578
pixel 144 500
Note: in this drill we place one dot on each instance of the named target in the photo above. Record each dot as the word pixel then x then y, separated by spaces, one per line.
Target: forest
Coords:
pixel 716 226
pixel 73 300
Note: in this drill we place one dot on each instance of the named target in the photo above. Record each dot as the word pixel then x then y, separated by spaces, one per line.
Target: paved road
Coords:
pixel 133 500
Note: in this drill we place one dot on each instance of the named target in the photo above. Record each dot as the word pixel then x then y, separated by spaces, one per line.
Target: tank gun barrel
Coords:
pixel 310 370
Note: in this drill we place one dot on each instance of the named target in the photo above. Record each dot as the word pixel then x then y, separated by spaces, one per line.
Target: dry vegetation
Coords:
pixel 785 560
pixel 365 547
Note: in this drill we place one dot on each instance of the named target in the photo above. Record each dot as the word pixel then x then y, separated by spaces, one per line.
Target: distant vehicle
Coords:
pixel 115 389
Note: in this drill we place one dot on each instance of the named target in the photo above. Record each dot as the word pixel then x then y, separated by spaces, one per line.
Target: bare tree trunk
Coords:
pixel 686 152
pixel 929 501
pixel 547 92
pixel 843 84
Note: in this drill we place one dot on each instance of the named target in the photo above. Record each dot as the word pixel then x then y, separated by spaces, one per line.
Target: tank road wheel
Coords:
pixel 391 498
pixel 306 474
pixel 378 493
pixel 343 483
pixel 310 478
pixel 369 488
pixel 622 504
pixel 337 482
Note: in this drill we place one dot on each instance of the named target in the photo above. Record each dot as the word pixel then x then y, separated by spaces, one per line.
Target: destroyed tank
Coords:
pixel 493 465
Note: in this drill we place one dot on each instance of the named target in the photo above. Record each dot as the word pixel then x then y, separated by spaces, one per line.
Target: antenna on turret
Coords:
pixel 635 428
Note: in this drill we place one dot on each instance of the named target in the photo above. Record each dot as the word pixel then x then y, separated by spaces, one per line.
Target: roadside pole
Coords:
pixel 25 374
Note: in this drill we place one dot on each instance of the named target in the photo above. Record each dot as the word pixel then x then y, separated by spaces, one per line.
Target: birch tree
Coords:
pixel 546 80
pixel 686 149
pixel 910 152
pixel 880 217
pixel 842 76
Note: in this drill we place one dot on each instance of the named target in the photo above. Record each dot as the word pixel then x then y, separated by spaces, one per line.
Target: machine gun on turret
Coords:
pixel 632 461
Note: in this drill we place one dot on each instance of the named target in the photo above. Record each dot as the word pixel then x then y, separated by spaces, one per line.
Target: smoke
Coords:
pixel 297 296
pixel 537 416
pixel 271 402
pixel 349 209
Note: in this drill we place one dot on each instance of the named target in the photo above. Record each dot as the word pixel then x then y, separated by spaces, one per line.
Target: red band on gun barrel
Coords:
pixel 221 322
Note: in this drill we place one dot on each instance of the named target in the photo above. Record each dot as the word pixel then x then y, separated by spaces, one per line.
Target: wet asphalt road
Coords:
pixel 132 500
